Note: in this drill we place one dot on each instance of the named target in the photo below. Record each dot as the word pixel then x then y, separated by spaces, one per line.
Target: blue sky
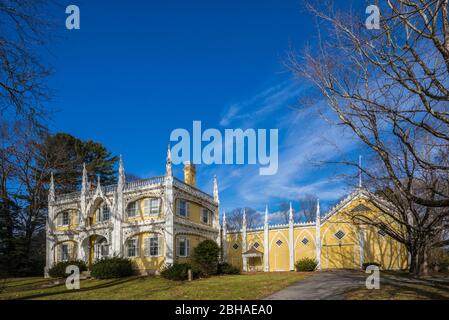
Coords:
pixel 137 70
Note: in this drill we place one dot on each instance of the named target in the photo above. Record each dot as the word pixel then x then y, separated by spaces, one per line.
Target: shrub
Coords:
pixel 179 271
pixel 58 270
pixel 366 264
pixel 205 256
pixel 115 267
pixel 306 264
pixel 226 268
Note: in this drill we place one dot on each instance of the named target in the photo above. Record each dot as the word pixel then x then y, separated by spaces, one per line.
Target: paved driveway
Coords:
pixel 324 285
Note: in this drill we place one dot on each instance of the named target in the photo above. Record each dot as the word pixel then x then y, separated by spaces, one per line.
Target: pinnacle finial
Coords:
pixel 244 218
pixel 168 165
pixel 360 171
pixel 121 175
pixel 51 192
pixel 224 219
pixel 84 182
pixel 318 214
pixel 216 197
pixel 290 215
pixel 266 214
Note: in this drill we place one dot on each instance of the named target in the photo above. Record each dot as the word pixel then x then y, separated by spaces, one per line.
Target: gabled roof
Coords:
pixel 253 252
pixel 359 193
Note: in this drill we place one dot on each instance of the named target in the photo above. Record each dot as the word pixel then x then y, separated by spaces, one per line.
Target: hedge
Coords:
pixel 58 270
pixel 306 264
pixel 115 267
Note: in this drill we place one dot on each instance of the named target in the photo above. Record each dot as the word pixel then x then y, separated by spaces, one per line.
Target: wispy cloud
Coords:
pixel 305 140
pixel 253 110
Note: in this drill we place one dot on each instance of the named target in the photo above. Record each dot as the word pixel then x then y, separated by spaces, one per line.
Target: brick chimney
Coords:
pixel 190 173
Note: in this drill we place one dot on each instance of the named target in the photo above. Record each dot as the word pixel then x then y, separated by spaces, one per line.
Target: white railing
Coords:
pixel 188 188
pixel 144 183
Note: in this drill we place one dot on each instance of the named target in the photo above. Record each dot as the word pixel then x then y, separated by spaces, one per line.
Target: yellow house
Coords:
pixel 154 222
pixel 159 221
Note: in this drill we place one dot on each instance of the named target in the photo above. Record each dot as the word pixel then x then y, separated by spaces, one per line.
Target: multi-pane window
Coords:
pixel 256 245
pixel 65 218
pixel 183 247
pixel 151 206
pixel 102 249
pixel 183 209
pixel 235 246
pixel 64 252
pixel 153 246
pixel 279 242
pixel 132 248
pixel 305 241
pixel 131 210
pixel 339 234
pixel 205 216
pixel 106 212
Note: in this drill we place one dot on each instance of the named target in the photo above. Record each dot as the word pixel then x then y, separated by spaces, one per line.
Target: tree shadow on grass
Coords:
pixel 65 291
pixel 112 283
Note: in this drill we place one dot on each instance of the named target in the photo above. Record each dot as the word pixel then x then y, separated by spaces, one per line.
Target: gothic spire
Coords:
pixel 84 183
pixel 168 165
pixel 121 175
pixel 360 171
pixel 266 214
pixel 51 191
pixel 318 214
pixel 290 213
pixel 98 183
pixel 216 197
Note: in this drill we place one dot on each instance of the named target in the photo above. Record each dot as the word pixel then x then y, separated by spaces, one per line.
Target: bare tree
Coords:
pixel 307 205
pixel 284 210
pixel 22 74
pixel 390 88
pixel 234 219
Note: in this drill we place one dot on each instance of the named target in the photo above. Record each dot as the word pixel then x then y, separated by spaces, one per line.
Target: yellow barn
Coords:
pixel 334 240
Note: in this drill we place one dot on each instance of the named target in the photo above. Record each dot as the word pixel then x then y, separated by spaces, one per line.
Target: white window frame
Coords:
pixel 187 208
pixel 155 206
pixel 151 206
pixel 63 218
pixel 186 244
pixel 136 247
pixel 208 215
pixel 128 209
pixel 65 245
pixel 103 207
pixel 150 244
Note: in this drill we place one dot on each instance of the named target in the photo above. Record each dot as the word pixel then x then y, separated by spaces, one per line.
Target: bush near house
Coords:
pixel 226 268
pixel 115 267
pixel 366 264
pixel 205 256
pixel 179 272
pixel 58 270
pixel 306 264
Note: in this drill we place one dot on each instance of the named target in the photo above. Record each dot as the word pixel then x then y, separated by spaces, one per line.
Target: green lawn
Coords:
pixel 236 287
pixel 400 286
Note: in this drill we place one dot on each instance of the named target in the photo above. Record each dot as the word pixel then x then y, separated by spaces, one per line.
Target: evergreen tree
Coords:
pixel 64 155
